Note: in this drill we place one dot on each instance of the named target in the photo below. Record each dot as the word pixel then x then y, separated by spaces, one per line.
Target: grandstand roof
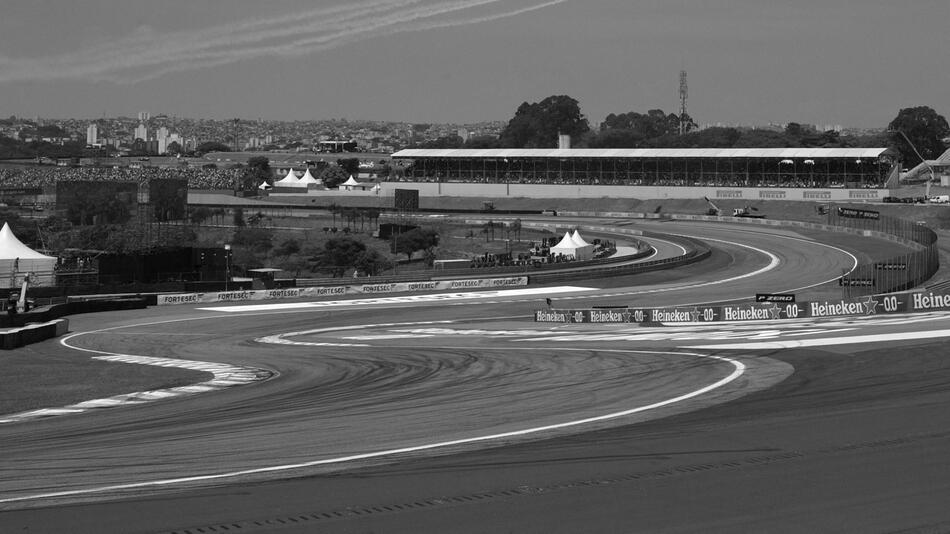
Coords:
pixel 645 153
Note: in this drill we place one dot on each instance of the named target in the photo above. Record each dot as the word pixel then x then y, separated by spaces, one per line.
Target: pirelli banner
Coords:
pixel 336 291
pixel 773 311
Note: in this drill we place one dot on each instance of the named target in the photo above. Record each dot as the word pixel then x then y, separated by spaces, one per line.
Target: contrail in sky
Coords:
pixel 148 54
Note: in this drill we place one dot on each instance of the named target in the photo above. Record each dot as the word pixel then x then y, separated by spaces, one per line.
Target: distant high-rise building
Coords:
pixel 141 132
pixel 162 137
pixel 144 116
pixel 92 134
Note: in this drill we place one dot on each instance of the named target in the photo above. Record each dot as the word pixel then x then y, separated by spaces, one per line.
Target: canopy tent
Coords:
pixel 265 186
pixel 578 240
pixel 290 180
pixel 17 259
pixel 350 184
pixel 568 247
pixel 308 180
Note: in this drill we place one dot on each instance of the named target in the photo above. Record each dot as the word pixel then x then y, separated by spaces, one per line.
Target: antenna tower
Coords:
pixel 683 94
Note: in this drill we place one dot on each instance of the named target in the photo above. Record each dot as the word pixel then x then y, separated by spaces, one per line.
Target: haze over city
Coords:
pixel 750 62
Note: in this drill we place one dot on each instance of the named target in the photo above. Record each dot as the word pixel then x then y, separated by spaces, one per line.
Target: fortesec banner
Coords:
pixel 336 291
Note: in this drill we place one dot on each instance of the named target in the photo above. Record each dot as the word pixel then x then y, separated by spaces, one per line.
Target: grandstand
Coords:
pixel 747 173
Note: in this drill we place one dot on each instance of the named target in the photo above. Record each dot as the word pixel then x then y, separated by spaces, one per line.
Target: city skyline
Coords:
pixel 418 61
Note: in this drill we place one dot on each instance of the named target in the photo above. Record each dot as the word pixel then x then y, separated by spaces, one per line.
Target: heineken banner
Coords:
pixel 336 291
pixel 872 305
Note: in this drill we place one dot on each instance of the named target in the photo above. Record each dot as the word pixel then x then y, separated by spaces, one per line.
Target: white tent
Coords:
pixel 568 247
pixel 17 259
pixel 578 240
pixel 265 186
pixel 350 184
pixel 308 180
pixel 290 180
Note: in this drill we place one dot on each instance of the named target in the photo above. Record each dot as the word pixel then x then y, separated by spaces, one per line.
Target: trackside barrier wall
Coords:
pixel 46 314
pixel 332 291
pixel 885 304
pixel 32 333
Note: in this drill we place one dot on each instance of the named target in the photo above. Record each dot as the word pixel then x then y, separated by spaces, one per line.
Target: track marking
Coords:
pixel 225 375
pixel 802 343
pixel 738 370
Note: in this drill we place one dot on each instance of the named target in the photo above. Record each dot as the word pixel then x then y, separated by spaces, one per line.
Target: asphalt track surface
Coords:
pixel 461 415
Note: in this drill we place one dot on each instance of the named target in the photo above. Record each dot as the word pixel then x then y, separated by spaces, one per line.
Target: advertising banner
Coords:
pixel 771 311
pixel 336 291
pixel 858 214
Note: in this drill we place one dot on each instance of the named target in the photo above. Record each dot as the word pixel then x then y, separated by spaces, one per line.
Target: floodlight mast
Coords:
pixel 924 161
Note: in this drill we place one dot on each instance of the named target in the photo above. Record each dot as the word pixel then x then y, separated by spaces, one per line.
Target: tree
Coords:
pixel 655 123
pixel 925 128
pixel 258 170
pixel 333 176
pixel 538 124
pixel 287 247
pixel 349 165
pixel 482 142
pixel 339 253
pixel 415 240
pixel 173 148
pixel 212 146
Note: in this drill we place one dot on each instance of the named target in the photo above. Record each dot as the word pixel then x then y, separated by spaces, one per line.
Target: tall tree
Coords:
pixel 258 170
pixel 925 128
pixel 333 176
pixel 537 125
pixel 408 243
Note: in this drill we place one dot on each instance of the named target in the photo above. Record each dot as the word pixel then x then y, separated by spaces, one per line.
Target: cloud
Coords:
pixel 147 54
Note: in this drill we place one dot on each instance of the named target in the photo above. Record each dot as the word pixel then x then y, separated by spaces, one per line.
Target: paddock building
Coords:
pixel 746 173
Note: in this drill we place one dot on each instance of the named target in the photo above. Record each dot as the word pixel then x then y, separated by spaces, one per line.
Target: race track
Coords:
pixel 462 415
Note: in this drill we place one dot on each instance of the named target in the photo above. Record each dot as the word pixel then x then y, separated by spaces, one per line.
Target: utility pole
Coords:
pixel 683 94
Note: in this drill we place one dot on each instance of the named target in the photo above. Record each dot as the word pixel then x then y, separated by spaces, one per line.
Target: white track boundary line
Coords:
pixel 738 370
pixel 225 375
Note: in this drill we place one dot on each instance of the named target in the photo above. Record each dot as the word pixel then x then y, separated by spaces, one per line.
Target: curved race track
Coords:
pixel 461 415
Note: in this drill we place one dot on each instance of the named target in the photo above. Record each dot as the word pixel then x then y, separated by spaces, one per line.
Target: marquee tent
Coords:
pixel 578 240
pixel 308 180
pixel 568 247
pixel 17 259
pixel 351 185
pixel 290 180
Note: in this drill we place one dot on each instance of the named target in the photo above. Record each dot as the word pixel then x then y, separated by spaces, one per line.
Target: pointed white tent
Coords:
pixel 568 247
pixel 17 259
pixel 308 180
pixel 290 180
pixel 350 184
pixel 265 186
pixel 578 240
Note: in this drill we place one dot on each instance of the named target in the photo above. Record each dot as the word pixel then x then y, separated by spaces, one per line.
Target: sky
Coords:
pixel 849 62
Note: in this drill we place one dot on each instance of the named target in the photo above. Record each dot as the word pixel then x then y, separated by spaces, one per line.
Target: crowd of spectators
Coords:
pixel 41 176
